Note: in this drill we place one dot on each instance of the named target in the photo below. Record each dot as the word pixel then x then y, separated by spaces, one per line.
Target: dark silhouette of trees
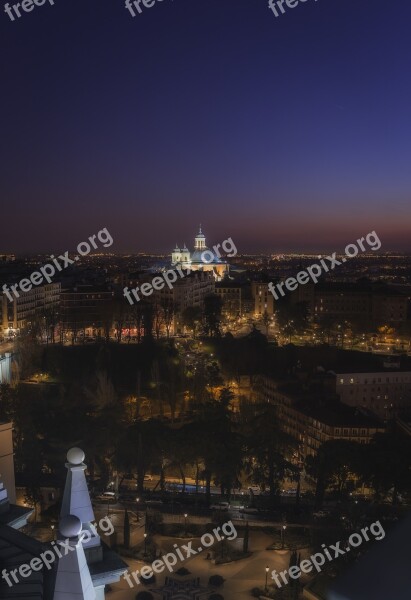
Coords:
pixel 212 315
pixel 192 318
pixel 267 447
pixel 332 466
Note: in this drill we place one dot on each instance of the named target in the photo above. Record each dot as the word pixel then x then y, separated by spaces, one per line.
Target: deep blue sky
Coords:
pixel 286 133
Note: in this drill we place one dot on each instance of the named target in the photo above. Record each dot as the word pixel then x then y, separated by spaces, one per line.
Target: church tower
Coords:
pixel 176 255
pixel 185 257
pixel 200 242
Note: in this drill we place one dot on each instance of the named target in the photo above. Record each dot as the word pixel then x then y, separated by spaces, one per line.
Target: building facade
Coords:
pixel 86 307
pixel 312 420
pixel 387 394
pixel 20 313
pixel 186 292
pixel 263 299
pixel 363 303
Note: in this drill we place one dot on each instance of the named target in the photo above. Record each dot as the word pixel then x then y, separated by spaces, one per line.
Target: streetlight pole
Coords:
pixel 266 578
pixel 283 535
pixel 185 522
pixel 145 544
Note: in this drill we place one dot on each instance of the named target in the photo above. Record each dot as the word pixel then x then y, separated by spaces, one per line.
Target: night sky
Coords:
pixel 289 133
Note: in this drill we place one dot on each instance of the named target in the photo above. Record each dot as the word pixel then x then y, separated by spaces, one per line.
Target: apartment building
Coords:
pixel 236 297
pixel 263 298
pixel 365 303
pixel 314 418
pixel 188 291
pixel 312 424
pixel 18 315
pixel 86 307
pixel 385 393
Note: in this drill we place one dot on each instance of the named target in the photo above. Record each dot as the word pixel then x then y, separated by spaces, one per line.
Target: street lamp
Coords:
pixel 145 544
pixel 185 522
pixel 284 527
pixel 266 578
pixel 138 518
pixel 52 531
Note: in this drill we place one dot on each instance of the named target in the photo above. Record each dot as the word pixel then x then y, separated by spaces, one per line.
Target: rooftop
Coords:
pixel 337 414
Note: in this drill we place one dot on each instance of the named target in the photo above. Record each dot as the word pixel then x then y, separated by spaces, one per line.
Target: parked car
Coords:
pixel 249 511
pixel 321 514
pixel 220 506
pixel 106 497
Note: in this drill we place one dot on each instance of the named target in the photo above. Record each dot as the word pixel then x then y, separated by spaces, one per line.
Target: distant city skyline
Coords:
pixel 244 244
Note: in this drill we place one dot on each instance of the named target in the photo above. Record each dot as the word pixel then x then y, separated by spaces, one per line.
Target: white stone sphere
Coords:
pixel 70 526
pixel 75 456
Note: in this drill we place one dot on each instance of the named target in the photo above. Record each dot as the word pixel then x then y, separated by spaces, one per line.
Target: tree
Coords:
pixel 266 320
pixel 212 315
pixel 191 318
pixel 387 465
pixel 267 447
pixel 334 462
pixel 120 316
pixel 169 311
pixel 126 530
pixel 292 318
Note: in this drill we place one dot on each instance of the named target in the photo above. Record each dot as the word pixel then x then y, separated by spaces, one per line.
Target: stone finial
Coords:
pixel 73 579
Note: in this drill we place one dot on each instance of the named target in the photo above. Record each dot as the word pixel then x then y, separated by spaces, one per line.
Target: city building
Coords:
pixel 24 310
pixel 236 297
pixel 363 303
pixel 313 418
pixel 201 259
pixel 385 393
pixel 263 299
pixel 186 292
pixel 86 308
pixel 311 424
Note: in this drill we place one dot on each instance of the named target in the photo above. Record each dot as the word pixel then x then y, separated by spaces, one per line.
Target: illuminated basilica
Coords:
pixel 202 259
